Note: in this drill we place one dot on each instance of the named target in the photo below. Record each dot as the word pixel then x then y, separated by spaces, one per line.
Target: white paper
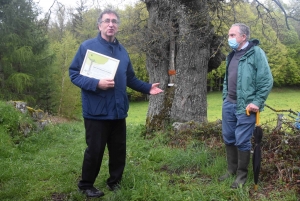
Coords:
pixel 99 66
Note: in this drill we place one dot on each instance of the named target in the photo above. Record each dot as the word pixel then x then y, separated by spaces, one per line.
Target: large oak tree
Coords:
pixel 183 45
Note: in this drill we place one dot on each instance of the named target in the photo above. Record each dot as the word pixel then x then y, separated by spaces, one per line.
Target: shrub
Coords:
pixel 15 123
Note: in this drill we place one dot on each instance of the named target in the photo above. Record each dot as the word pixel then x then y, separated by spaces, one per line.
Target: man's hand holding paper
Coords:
pixel 105 84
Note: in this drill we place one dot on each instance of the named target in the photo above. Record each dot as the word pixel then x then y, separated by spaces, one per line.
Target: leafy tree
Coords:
pixel 292 75
pixel 284 68
pixel 84 21
pixel 66 96
pixel 89 27
pixel 133 21
pixel 24 57
pixel 57 27
pixel 215 78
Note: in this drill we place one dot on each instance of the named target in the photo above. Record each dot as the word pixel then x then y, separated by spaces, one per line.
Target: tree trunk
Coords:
pixel 1 75
pixel 188 23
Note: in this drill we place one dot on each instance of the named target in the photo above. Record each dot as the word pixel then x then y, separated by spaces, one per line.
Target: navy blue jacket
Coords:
pixel 111 103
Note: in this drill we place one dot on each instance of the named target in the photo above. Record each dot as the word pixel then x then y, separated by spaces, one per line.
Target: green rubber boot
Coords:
pixel 242 170
pixel 232 162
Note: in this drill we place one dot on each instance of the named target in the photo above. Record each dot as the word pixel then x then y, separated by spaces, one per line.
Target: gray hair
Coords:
pixel 107 11
pixel 244 29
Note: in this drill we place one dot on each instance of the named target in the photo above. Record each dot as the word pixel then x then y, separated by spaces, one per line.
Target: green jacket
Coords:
pixel 254 78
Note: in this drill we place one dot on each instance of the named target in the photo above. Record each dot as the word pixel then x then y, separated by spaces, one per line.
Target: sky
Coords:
pixel 46 4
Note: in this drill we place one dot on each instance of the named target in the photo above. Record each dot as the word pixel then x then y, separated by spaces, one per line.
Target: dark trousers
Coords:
pixel 98 134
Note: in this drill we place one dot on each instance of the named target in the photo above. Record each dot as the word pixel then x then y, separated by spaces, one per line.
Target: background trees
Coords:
pixel 24 54
pixel 186 36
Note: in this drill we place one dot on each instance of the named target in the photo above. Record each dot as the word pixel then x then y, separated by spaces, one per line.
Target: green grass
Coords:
pixel 137 113
pixel 279 99
pixel 41 164
pixel 47 165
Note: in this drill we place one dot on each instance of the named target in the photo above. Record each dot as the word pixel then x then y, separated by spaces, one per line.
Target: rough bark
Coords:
pixel 188 23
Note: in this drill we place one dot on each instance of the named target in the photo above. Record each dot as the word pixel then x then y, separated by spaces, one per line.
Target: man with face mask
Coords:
pixel 247 84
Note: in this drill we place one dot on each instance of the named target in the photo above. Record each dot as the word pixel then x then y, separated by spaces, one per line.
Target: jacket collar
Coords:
pixel 115 43
pixel 252 43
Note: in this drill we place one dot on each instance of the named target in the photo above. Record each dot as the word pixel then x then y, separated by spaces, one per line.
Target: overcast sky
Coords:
pixel 46 4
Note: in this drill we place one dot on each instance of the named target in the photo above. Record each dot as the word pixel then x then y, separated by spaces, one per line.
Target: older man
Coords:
pixel 247 84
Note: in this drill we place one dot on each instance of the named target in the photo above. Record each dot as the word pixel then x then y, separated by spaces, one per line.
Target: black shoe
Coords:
pixel 92 192
pixel 114 187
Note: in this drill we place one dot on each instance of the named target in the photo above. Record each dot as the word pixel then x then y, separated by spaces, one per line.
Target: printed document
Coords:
pixel 99 66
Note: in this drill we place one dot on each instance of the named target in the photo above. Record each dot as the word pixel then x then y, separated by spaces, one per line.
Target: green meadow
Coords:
pixel 279 99
pixel 46 165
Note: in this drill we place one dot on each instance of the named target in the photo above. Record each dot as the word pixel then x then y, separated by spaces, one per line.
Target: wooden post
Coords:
pixel 172 71
pixel 279 122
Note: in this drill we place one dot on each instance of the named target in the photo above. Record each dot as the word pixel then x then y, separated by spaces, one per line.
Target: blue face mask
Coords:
pixel 233 43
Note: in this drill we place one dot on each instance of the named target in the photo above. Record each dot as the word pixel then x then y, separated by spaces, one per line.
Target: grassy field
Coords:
pixel 47 164
pixel 279 99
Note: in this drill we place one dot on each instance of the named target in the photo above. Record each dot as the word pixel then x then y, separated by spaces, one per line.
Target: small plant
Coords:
pixel 17 124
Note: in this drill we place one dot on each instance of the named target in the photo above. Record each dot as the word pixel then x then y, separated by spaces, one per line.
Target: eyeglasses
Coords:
pixel 113 21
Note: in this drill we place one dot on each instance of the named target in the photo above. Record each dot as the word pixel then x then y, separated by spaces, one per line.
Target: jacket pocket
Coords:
pixel 122 104
pixel 96 104
pixel 126 103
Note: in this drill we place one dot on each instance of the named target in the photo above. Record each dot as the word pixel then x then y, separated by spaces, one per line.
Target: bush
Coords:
pixel 15 123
